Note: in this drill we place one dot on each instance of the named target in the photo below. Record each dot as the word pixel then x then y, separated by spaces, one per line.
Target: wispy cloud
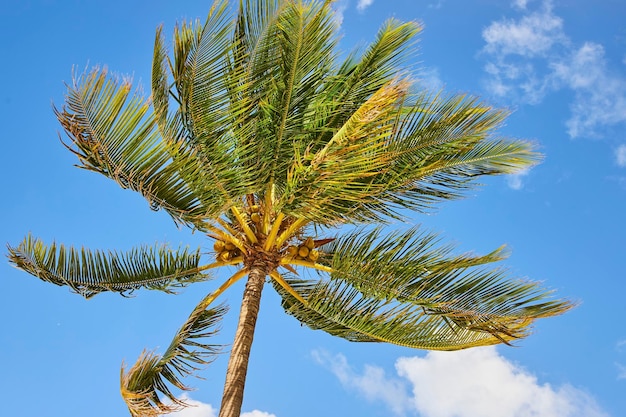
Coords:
pixel 520 4
pixel 436 5
pixel 621 345
pixel 339 8
pixel 532 56
pixel 429 79
pixel 200 409
pixel 516 181
pixel 364 4
pixel 372 383
pixel 471 383
pixel 620 157
pixel 533 35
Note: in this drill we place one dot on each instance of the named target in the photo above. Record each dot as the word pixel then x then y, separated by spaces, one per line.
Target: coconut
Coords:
pixel 309 243
pixel 218 246
pixel 229 246
pixel 292 251
pixel 314 255
pixel 303 251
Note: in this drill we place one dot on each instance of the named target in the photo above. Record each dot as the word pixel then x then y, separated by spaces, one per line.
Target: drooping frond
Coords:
pixel 405 289
pixel 309 315
pixel 144 383
pixel 114 135
pixel 342 310
pixel 90 272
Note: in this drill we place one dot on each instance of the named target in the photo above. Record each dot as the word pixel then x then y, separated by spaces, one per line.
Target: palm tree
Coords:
pixel 290 158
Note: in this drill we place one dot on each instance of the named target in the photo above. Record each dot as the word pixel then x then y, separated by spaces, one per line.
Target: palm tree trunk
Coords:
pixel 238 362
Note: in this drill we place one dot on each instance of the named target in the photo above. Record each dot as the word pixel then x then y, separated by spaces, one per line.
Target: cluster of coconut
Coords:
pixel 305 251
pixel 225 251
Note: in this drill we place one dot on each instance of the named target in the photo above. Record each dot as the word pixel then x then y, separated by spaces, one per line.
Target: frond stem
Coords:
pixel 307 264
pixel 244 225
pixel 269 207
pixel 299 223
pixel 279 279
pixel 271 238
pixel 206 301
pixel 229 235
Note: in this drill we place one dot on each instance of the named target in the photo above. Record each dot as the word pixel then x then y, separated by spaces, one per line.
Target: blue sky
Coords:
pixel 559 65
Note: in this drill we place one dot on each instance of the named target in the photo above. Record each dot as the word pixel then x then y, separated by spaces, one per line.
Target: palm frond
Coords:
pixel 211 94
pixel 305 43
pixel 160 80
pixel 309 315
pixel 200 78
pixel 114 135
pixel 336 180
pixel 360 76
pixel 412 268
pixel 144 383
pixel 442 144
pixel 339 309
pixel 90 272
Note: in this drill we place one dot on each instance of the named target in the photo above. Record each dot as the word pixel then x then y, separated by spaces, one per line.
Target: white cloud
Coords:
pixel 532 56
pixel 257 413
pixel 471 383
pixel 621 371
pixel 600 96
pixel 620 156
pixel 533 35
pixel 364 4
pixel 429 79
pixel 520 4
pixel 437 5
pixel 373 383
pixel 516 181
pixel 339 8
pixel 197 409
pixel 200 409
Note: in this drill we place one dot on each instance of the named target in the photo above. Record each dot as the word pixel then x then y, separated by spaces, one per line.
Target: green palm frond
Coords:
pixel 418 151
pixel 360 76
pixel 407 289
pixel 343 311
pixel 150 375
pixel 442 144
pixel 339 309
pixel 337 178
pixel 114 135
pixel 206 115
pixel 305 42
pixel 200 64
pixel 412 267
pixel 90 272
pixel 310 316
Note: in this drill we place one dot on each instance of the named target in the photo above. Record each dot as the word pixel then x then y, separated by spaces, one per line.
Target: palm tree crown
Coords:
pixel 260 135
